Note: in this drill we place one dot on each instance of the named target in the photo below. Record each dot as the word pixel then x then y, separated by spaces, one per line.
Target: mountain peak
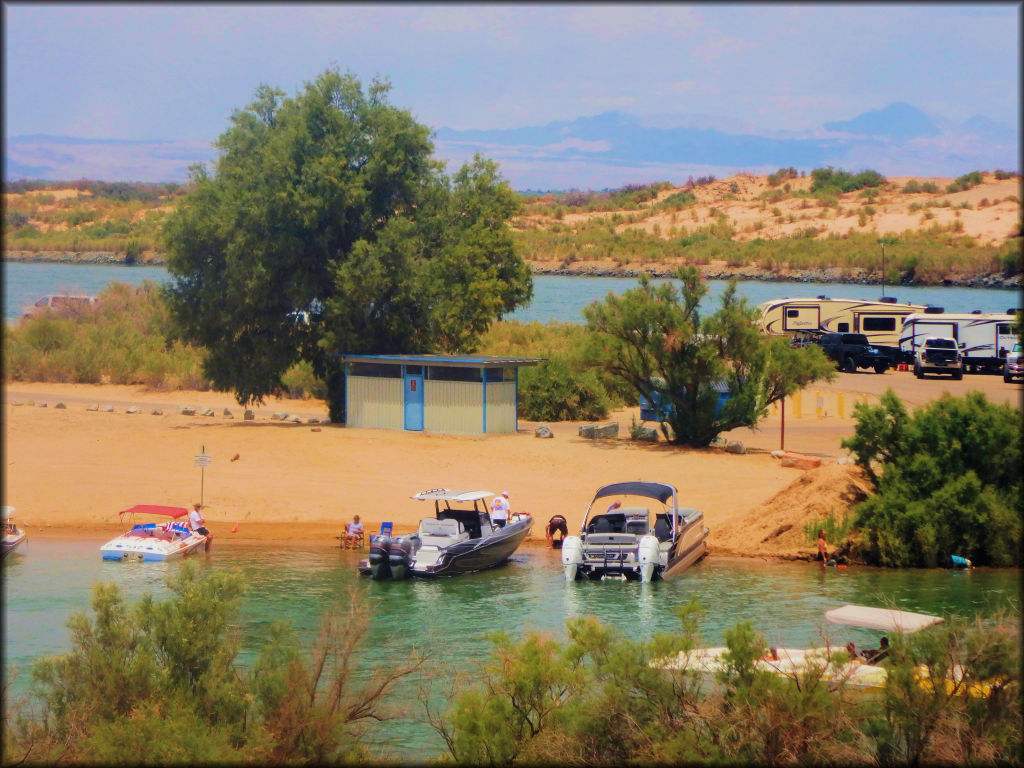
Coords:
pixel 898 121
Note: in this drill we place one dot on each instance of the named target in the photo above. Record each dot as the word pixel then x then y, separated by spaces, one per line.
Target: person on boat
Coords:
pixel 196 520
pixel 500 509
pixel 875 655
pixel 353 532
pixel 559 524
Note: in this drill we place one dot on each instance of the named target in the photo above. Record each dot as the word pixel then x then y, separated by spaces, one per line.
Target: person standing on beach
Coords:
pixel 500 509
pixel 822 547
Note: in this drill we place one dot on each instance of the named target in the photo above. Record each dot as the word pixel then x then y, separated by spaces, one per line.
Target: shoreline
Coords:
pixel 325 540
pixel 820 275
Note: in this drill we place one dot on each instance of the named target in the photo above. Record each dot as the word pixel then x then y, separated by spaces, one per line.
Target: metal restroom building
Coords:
pixel 464 394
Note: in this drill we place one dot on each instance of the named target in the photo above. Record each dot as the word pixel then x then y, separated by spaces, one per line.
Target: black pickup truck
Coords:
pixel 851 351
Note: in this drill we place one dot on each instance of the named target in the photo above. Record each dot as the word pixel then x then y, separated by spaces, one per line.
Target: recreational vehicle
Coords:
pixel 984 339
pixel 879 320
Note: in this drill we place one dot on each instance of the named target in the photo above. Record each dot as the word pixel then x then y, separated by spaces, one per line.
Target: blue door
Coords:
pixel 414 402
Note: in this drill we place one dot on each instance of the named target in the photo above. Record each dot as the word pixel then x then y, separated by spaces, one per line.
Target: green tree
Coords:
pixel 654 338
pixel 327 227
pixel 947 479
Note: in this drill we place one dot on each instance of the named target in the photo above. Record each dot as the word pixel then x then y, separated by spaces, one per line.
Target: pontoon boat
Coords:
pixel 620 543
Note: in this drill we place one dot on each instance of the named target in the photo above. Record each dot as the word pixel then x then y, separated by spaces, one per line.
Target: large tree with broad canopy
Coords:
pixel 327 227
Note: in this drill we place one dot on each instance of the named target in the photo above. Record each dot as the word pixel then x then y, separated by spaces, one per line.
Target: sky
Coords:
pixel 177 71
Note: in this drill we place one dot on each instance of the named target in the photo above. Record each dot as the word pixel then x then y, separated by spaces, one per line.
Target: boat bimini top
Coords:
pixel 883 619
pixel 662 492
pixel 444 494
pixel 155 509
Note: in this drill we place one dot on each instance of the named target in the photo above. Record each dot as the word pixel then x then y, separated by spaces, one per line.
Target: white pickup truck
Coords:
pixel 1013 368
pixel 938 354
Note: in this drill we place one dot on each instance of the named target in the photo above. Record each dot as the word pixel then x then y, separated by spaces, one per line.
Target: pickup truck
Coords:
pixel 851 351
pixel 1013 368
pixel 938 354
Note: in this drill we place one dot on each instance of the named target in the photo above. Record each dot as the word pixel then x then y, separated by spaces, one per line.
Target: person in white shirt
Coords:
pixel 352 534
pixel 500 509
pixel 195 519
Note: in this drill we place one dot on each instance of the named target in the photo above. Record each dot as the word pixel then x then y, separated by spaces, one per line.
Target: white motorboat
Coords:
pixel 154 541
pixel 13 535
pixel 457 539
pixel 621 542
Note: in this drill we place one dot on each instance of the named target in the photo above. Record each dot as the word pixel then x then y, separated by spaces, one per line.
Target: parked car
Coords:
pixel 1013 368
pixel 939 354
pixel 851 351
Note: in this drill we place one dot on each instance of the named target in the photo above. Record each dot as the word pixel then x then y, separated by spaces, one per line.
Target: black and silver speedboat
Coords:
pixel 457 539
pixel 622 543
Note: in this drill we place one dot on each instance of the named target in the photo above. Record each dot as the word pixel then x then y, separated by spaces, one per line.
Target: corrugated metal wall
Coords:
pixel 453 406
pixel 501 406
pixel 376 402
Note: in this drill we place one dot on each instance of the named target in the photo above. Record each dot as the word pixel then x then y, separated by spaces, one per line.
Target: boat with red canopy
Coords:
pixel 154 541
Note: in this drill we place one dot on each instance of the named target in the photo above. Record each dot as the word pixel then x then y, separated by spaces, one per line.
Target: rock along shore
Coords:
pixel 599 269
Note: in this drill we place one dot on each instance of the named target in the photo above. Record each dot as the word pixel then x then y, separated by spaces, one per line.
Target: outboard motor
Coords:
pixel 649 556
pixel 380 548
pixel 400 556
pixel 572 556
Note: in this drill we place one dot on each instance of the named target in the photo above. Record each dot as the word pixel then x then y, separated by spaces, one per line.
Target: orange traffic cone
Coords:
pixel 235 529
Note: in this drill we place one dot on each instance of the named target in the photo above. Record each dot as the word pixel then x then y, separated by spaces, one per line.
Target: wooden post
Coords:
pixel 782 432
pixel 841 405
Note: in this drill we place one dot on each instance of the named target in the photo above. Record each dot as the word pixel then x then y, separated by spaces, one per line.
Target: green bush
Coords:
pixel 844 181
pixel 158 683
pixel 557 391
pixel 947 478
pixel 601 698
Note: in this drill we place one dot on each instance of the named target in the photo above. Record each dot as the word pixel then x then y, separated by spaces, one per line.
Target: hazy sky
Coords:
pixel 178 71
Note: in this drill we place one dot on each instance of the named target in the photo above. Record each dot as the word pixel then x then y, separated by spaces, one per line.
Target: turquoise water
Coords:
pixel 448 619
pixel 556 297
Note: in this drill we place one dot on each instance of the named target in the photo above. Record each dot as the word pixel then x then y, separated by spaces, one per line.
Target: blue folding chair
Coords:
pixel 385 529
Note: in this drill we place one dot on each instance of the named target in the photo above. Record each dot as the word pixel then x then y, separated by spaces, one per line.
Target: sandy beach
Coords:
pixel 70 470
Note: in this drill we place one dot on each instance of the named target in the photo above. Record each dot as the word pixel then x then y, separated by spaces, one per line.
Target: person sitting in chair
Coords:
pixel 353 533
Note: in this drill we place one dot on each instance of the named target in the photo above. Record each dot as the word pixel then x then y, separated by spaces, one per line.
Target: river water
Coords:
pixel 556 297
pixel 49 579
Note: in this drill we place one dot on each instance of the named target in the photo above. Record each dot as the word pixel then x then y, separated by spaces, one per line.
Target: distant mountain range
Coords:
pixel 604 150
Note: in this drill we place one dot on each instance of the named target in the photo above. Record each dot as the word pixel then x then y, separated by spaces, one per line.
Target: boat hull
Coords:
pixel 11 542
pixel 466 556
pixel 150 552
pixel 474 555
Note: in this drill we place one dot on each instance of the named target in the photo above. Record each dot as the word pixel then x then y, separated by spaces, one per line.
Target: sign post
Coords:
pixel 202 461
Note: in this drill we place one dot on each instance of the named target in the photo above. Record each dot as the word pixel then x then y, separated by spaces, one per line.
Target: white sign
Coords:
pixel 202 460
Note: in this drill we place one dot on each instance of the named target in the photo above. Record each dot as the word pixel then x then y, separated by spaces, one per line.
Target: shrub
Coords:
pixel 949 482
pixel 912 186
pixel 844 181
pixel 556 391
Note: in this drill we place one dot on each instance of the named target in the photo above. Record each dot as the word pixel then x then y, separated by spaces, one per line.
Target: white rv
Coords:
pixel 880 321
pixel 984 339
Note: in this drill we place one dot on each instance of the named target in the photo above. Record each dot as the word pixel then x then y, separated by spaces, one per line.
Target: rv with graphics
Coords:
pixel 880 320
pixel 984 339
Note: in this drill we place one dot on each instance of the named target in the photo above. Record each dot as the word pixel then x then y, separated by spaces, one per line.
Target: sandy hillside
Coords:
pixel 993 215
